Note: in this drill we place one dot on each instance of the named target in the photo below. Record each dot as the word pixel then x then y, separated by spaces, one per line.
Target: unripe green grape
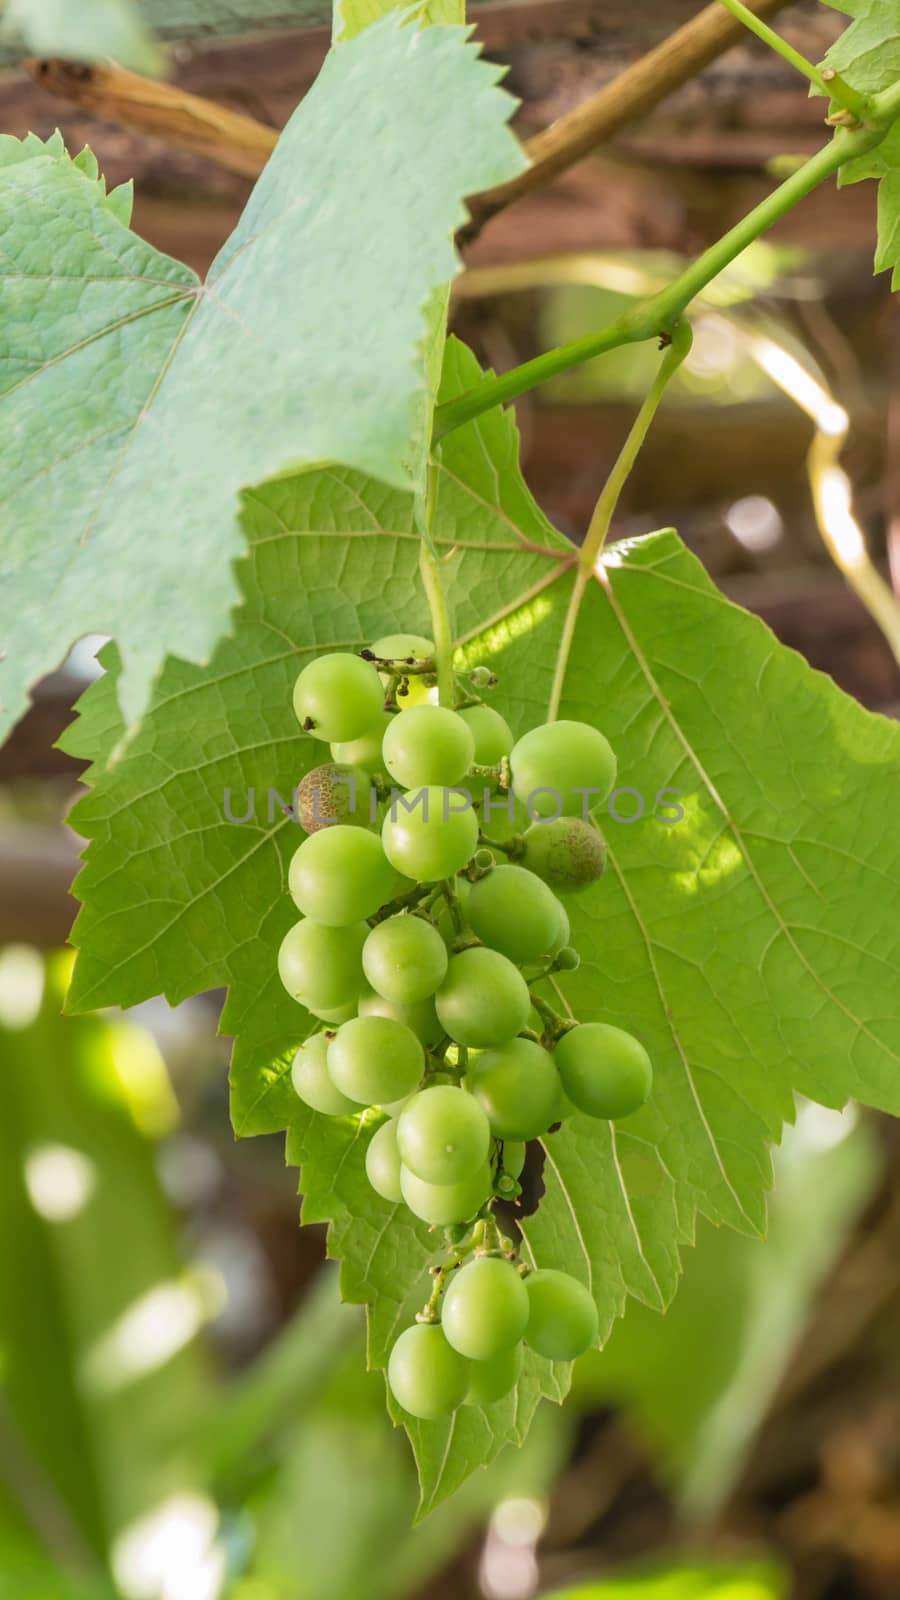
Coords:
pixel 445 1203
pixel 514 1152
pixel 482 677
pixel 432 840
pixel 428 745
pixel 443 1135
pixel 416 691
pixel 309 1076
pixel 492 734
pixel 604 1070
pixel 405 959
pixel 514 912
pixel 331 794
pixel 334 1015
pixel 427 1377
pixel 485 1308
pixel 517 1087
pixel 568 854
pixel 383 1162
pixel 564 932
pixel 374 1060
pixel 322 966
pixel 484 999
pixel 341 875
pixel 562 1316
pixel 491 1380
pixel 340 695
pixel 399 647
pixel 365 752
pixel 420 1016
pixel 567 959
pixel 553 765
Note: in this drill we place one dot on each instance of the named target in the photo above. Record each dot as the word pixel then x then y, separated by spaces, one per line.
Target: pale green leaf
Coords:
pixel 752 945
pixel 868 56
pixel 138 403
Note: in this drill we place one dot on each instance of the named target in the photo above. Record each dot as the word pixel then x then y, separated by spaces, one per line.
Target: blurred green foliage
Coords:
pixel 132 1468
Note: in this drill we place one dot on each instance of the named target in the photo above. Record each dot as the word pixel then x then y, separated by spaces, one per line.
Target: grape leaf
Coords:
pixel 87 31
pixel 138 400
pixel 867 54
pixel 751 944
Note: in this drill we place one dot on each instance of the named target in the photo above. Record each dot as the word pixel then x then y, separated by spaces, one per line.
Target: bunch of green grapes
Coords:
pixel 420 953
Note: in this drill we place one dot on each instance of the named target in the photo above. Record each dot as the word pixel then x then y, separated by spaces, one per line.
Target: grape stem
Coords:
pixel 823 79
pixel 410 667
pixel 598 528
pixel 422 894
pixel 513 847
pixel 437 606
pixel 556 1025
pixel 649 319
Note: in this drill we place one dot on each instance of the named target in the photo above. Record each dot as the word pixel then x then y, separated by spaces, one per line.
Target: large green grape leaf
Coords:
pixel 87 31
pixel 751 944
pixel 868 56
pixel 137 403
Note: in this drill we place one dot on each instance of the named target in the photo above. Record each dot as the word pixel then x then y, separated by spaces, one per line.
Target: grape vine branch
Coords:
pixel 657 317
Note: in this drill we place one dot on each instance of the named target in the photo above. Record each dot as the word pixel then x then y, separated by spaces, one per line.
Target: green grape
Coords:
pixel 399 647
pixel 517 1086
pixel 421 1016
pixel 563 935
pixel 605 1071
pixel 405 959
pixel 445 1203
pixel 322 966
pixel 552 767
pixel 312 1083
pixel 513 1157
pixel 374 1060
pixel 334 1015
pixel 514 912
pixel 485 1308
pixel 568 854
pixel 484 999
pixel 562 1316
pixel 432 840
pixel 491 1380
pixel 383 1162
pixel 331 794
pixel 341 875
pixel 341 696
pixel 426 1376
pixel 491 732
pixel 443 1135
pixel 365 752
pixel 428 745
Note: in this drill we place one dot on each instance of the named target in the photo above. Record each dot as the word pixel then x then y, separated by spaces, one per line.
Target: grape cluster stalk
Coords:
pixel 419 950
